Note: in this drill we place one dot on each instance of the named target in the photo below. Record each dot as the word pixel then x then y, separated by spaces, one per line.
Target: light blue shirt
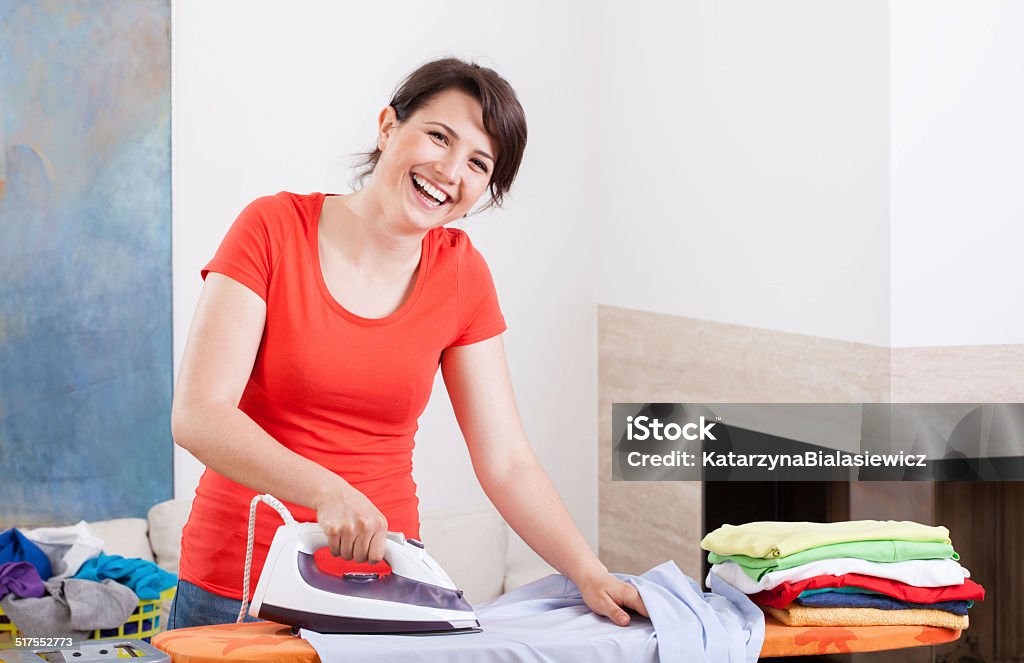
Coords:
pixel 547 621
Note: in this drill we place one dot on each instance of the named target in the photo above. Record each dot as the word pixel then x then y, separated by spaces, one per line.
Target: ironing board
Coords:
pixel 267 641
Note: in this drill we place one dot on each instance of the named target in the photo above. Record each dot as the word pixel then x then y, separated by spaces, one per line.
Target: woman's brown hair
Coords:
pixel 503 116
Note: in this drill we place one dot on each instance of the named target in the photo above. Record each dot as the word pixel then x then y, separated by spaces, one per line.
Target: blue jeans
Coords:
pixel 194 606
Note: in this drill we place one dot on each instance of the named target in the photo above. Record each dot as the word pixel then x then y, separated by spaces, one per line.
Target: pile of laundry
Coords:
pixel 851 573
pixel 57 581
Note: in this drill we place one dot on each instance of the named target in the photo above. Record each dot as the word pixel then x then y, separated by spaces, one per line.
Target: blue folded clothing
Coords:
pixel 16 547
pixel 880 601
pixel 145 578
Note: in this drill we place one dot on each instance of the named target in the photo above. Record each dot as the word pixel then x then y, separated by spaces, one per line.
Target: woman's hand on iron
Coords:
pixel 607 595
pixel 356 530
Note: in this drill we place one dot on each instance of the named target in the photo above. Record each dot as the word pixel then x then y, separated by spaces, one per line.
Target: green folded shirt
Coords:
pixel 873 551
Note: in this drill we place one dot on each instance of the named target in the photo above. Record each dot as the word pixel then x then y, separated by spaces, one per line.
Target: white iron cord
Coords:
pixel 285 514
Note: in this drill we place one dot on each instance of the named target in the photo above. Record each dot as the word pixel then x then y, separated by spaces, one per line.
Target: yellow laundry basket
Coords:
pixel 144 623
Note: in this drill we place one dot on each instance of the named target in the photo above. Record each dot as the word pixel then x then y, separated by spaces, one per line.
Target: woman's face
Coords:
pixel 434 166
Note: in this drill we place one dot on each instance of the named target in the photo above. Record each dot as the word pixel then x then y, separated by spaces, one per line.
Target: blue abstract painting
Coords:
pixel 85 259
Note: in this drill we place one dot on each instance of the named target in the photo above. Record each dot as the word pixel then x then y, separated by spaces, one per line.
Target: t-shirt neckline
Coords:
pixel 313 238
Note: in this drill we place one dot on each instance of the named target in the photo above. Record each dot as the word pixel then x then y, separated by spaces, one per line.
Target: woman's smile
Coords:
pixel 430 195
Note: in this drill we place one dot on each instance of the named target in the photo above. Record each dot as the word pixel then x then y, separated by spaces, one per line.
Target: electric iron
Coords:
pixel 417 598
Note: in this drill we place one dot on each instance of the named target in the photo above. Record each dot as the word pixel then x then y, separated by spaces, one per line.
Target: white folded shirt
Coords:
pixel 917 572
pixel 66 547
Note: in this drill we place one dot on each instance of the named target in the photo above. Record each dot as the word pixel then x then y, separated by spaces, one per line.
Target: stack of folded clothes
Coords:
pixel 852 573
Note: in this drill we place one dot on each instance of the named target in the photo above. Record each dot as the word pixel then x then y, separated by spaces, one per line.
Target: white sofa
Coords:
pixel 474 546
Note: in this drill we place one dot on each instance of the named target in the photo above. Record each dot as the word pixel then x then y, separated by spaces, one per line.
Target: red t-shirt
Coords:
pixel 334 387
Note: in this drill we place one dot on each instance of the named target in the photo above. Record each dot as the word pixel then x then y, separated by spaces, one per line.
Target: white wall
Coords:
pixel 271 96
pixel 957 172
pixel 848 170
pixel 743 152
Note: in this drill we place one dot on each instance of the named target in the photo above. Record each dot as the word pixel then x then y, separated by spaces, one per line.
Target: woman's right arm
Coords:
pixel 226 332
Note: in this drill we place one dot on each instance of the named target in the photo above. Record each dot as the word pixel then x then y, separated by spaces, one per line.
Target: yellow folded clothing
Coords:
pixel 770 539
pixel 800 615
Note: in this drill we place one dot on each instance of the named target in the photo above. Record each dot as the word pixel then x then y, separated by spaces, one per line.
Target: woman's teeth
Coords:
pixel 436 196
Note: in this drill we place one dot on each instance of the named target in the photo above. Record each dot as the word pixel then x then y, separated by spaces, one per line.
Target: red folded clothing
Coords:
pixel 784 594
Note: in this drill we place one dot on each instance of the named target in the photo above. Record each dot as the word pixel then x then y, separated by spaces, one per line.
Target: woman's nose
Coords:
pixel 447 170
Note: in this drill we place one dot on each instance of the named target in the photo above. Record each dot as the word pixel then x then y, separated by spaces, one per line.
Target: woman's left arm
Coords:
pixel 480 388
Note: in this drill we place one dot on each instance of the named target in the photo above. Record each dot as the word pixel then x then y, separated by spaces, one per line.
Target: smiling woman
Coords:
pixel 501 116
pixel 318 334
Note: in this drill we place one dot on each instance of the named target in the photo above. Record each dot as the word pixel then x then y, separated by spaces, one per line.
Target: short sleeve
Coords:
pixel 247 252
pixel 480 316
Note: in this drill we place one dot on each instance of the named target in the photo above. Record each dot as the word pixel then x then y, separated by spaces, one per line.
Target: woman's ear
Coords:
pixel 387 122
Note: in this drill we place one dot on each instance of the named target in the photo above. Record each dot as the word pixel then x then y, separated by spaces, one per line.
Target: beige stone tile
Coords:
pixel 958 374
pixel 671 359
pixel 648 523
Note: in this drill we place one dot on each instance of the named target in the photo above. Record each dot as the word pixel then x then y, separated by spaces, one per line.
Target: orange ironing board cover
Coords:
pixel 266 641
pixel 782 640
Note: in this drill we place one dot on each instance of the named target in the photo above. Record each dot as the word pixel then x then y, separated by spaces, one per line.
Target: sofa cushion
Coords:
pixel 523 565
pixel 470 546
pixel 124 536
pixel 166 520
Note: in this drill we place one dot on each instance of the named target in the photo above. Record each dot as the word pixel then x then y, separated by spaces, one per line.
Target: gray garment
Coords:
pixel 73 608
pixel 547 622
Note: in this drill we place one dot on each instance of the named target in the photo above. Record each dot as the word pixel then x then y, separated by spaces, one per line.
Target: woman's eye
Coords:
pixel 439 136
pixel 480 164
